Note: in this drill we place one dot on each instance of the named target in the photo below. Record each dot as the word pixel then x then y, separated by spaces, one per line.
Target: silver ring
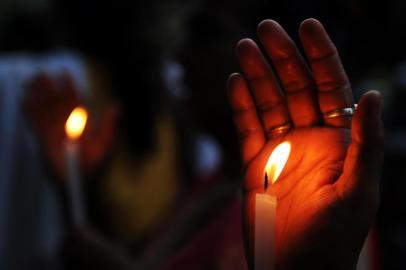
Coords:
pixel 280 130
pixel 343 112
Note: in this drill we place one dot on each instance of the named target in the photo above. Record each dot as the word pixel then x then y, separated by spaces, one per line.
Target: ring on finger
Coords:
pixel 280 130
pixel 342 112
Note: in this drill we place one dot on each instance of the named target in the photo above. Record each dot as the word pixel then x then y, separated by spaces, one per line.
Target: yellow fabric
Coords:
pixel 138 192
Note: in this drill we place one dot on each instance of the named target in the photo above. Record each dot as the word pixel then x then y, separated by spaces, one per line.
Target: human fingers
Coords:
pixel 268 97
pixel 334 90
pixel 248 125
pixel 294 74
pixel 362 168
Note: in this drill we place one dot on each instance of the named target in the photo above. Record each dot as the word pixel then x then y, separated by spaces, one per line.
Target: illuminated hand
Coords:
pixel 48 108
pixel 328 192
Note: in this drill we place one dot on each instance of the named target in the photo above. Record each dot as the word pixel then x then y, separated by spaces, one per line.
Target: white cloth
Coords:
pixel 30 227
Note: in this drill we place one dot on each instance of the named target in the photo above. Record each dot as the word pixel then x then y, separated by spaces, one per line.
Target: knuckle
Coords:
pixel 333 86
pixel 268 105
pixel 295 87
pixel 326 56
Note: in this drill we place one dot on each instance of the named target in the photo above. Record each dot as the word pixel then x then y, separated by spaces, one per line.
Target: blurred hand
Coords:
pixel 328 192
pixel 86 249
pixel 48 105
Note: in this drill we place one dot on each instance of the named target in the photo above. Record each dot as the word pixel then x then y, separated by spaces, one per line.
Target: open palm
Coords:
pixel 328 191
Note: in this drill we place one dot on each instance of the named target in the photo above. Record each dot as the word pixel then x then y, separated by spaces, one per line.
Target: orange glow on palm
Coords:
pixel 76 123
pixel 277 161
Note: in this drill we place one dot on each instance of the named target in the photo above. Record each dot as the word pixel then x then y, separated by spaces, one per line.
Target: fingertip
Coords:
pixel 231 83
pixel 251 59
pixel 371 102
pixel 267 26
pixel 238 92
pixel 311 20
pixel 309 24
pixel 316 41
pixel 233 76
pixel 378 100
pixel 232 79
pixel 311 27
pixel 374 93
pixel 244 44
pixel 236 86
pixel 367 125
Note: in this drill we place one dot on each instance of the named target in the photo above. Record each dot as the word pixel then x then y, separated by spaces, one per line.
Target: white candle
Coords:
pixel 265 211
pixel 265 214
pixel 74 128
pixel 74 184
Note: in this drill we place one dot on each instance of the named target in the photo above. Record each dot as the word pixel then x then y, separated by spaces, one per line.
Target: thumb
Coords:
pixel 363 164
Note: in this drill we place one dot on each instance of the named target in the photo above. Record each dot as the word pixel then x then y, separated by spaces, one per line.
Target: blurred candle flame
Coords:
pixel 276 162
pixel 76 123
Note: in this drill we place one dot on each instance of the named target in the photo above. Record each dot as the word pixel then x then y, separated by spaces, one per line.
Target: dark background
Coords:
pixel 134 39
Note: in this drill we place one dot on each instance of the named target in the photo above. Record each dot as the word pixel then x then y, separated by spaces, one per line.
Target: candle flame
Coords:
pixel 276 162
pixel 76 123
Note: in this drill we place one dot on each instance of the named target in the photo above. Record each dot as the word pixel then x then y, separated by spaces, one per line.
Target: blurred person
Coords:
pixel 150 204
pixel 112 238
pixel 30 226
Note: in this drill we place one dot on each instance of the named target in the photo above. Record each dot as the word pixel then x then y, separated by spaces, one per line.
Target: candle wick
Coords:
pixel 266 181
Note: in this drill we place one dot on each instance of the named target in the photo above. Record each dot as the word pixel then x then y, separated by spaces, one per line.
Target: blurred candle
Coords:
pixel 74 128
pixel 265 210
